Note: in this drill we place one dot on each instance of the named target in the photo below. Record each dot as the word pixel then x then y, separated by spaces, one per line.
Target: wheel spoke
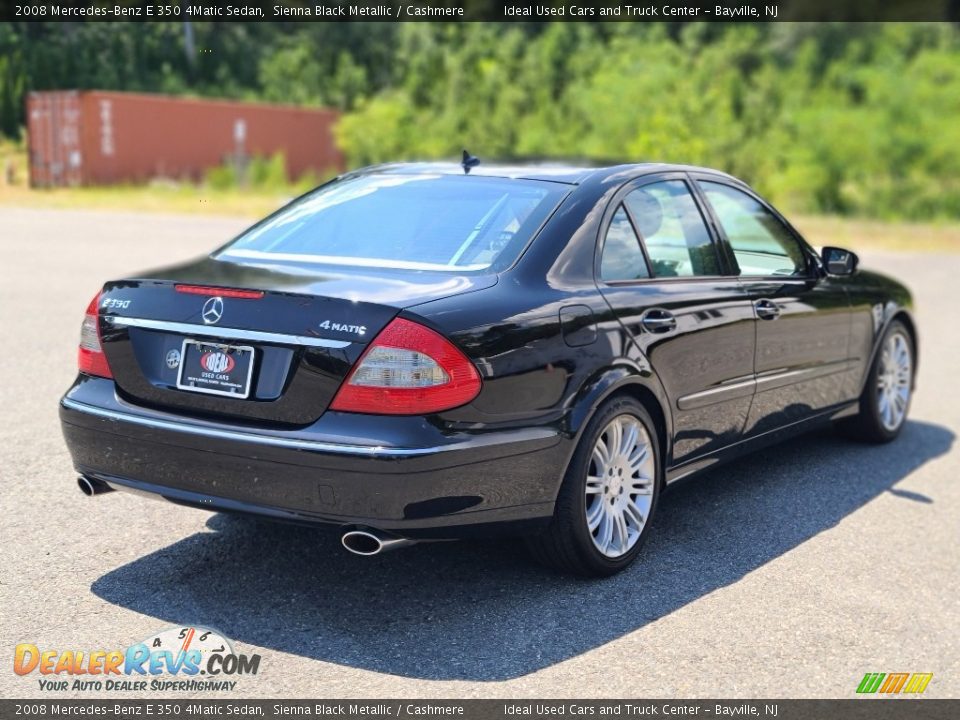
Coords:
pixel 605 533
pixel 634 514
pixel 887 411
pixel 623 536
pixel 637 460
pixel 601 457
pixel 629 439
pixel 614 439
pixel 595 514
pixel 900 404
pixel 641 486
pixel 594 485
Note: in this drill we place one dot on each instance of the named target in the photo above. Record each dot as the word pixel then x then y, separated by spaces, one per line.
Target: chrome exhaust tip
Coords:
pixel 372 542
pixel 91 486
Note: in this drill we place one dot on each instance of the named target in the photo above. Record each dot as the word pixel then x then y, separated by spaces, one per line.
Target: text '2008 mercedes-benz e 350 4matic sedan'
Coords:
pixel 425 352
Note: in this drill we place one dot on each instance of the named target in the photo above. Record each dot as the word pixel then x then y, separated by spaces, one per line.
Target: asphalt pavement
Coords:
pixel 786 574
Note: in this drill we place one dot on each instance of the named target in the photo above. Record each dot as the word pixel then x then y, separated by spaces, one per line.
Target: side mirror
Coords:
pixel 839 261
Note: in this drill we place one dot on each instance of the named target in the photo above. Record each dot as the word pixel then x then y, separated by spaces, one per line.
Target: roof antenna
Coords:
pixel 468 162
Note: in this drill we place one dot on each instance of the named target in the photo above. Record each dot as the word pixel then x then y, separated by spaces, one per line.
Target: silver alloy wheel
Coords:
pixel 619 492
pixel 893 380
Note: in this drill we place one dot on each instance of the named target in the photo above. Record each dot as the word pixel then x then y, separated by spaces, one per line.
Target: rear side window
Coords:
pixel 762 245
pixel 672 230
pixel 414 222
pixel 622 257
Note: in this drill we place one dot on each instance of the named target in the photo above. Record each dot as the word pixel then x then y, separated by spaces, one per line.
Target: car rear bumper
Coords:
pixel 403 476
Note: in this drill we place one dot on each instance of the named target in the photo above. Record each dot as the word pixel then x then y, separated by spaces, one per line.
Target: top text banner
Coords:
pixel 483 10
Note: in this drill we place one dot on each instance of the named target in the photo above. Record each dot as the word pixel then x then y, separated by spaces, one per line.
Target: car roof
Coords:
pixel 558 172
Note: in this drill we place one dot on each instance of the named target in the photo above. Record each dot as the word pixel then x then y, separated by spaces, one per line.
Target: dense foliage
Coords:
pixel 857 119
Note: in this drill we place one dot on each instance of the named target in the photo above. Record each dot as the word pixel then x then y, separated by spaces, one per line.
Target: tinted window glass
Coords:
pixel 418 222
pixel 622 257
pixel 673 230
pixel 761 243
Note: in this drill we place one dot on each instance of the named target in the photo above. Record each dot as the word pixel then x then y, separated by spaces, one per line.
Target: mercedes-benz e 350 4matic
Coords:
pixel 417 352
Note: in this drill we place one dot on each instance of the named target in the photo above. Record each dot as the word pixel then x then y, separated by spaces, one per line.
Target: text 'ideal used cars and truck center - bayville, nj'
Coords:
pixel 400 11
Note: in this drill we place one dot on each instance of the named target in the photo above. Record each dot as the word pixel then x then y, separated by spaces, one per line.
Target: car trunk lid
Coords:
pixel 262 344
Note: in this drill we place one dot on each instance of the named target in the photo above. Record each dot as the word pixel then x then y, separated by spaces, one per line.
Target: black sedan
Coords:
pixel 430 351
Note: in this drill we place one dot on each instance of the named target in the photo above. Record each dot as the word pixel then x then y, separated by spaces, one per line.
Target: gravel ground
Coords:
pixel 787 574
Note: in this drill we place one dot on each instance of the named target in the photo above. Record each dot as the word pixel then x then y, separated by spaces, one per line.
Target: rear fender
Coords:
pixel 627 378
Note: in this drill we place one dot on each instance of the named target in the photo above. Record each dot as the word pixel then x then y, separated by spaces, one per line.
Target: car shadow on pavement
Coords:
pixel 482 610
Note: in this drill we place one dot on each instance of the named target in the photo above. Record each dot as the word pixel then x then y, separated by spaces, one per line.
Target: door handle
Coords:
pixel 658 321
pixel 767 309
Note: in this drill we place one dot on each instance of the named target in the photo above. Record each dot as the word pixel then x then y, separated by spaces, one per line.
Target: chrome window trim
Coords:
pixel 216 331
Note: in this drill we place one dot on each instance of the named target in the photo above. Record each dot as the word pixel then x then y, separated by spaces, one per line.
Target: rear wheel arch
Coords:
pixel 625 381
pixel 652 405
pixel 570 542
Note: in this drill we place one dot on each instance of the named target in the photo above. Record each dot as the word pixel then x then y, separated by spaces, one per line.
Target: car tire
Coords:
pixel 885 401
pixel 597 493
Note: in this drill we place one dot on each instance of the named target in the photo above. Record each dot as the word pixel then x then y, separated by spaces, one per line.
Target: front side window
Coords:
pixel 413 222
pixel 762 245
pixel 672 230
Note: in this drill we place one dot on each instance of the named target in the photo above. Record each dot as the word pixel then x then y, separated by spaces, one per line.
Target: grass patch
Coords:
pixel 153 198
pixel 221 194
pixel 859 235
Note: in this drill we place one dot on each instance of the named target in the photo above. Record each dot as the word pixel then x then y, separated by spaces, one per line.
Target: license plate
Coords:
pixel 215 369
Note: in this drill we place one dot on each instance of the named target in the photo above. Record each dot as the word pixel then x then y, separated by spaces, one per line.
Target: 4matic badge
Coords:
pixel 343 327
pixel 198 658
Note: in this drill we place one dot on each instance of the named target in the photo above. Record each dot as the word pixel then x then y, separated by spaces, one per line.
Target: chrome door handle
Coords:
pixel 658 321
pixel 767 309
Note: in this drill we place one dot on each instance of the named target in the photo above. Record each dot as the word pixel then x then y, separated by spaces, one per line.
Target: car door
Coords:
pixel 661 272
pixel 803 318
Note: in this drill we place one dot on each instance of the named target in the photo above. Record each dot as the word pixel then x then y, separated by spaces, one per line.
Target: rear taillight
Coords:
pixel 90 358
pixel 408 370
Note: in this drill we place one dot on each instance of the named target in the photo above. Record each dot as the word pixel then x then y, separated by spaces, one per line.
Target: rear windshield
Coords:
pixel 413 222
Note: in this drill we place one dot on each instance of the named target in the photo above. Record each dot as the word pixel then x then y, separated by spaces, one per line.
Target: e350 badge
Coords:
pixel 189 659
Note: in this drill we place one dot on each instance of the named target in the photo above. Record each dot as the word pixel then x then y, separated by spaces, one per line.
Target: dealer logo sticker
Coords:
pixel 178 659
pixel 217 362
pixel 173 359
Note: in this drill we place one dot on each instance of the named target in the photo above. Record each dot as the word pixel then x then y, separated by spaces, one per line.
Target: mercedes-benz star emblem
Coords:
pixel 173 359
pixel 213 310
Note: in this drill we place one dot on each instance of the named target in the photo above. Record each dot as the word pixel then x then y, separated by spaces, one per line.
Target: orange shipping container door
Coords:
pixel 134 137
pixel 54 132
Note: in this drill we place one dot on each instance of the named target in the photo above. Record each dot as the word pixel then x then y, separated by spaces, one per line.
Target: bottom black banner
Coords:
pixel 859 709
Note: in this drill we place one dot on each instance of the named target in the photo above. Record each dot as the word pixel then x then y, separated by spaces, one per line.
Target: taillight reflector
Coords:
pixel 90 357
pixel 408 370
pixel 221 292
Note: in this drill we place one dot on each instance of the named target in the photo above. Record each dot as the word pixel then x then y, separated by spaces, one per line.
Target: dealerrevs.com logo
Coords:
pixel 188 659
pixel 894 683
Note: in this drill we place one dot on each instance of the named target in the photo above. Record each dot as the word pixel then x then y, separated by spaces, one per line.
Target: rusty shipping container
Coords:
pixel 99 138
